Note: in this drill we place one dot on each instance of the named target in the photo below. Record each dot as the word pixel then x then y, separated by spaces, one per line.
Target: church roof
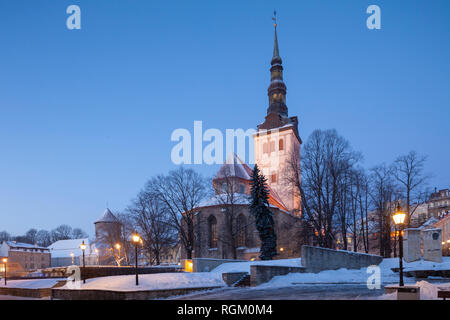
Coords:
pixel 107 216
pixel 234 167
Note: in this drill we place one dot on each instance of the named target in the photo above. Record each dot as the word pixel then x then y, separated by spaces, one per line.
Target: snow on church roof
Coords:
pixel 234 167
pixel 107 216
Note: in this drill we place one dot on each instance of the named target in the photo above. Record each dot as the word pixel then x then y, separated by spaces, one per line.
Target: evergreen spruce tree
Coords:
pixel 259 208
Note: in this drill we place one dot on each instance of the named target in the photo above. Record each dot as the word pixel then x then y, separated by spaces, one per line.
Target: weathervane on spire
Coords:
pixel 274 18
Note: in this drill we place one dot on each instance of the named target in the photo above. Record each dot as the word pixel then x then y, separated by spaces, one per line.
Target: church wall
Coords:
pixel 277 162
pixel 287 229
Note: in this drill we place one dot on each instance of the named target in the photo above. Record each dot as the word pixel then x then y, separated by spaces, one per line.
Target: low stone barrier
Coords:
pixel 85 294
pixel 207 264
pixel 316 259
pixel 264 273
pixel 94 272
pixel 30 293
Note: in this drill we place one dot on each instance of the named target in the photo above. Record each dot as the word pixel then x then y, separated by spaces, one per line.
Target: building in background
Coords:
pixel 67 252
pixel 28 256
pixel 439 202
pixel 443 223
pixel 108 235
pixel 213 238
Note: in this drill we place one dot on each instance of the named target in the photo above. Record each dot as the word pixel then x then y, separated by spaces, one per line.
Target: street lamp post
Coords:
pixel 136 240
pixel 83 248
pixel 118 249
pixel 5 260
pixel 399 220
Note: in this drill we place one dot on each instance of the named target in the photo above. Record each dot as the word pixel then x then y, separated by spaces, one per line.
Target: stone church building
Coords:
pixel 224 228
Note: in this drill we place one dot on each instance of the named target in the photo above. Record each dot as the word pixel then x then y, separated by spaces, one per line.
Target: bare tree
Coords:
pixel 44 238
pixel 382 194
pixel 127 229
pixel 63 232
pixel 153 222
pixel 230 196
pixel 327 159
pixel 4 236
pixel 409 172
pixel 77 233
pixel 181 192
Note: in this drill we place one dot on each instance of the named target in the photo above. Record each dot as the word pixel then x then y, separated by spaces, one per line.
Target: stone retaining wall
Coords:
pixel 67 294
pixel 94 272
pixel 316 259
pixel 264 273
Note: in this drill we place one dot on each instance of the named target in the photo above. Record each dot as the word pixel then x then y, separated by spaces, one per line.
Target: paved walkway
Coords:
pixel 298 292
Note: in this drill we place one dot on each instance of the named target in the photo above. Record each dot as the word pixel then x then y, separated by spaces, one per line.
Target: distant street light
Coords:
pixel 399 220
pixel 5 261
pixel 136 240
pixel 83 248
pixel 98 257
pixel 73 256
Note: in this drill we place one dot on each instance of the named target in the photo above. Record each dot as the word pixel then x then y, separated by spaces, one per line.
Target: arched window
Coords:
pixel 212 230
pixel 242 231
pixel 265 148
pixel 281 144
pixel 274 178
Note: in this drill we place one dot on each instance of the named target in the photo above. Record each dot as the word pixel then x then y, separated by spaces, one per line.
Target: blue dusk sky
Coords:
pixel 86 115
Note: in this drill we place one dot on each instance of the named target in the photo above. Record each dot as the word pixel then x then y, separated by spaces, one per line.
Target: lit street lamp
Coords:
pixel 83 248
pixel 118 248
pixel 5 260
pixel 399 220
pixel 136 240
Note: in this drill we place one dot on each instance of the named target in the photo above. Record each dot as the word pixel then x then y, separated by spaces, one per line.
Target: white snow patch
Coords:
pixel 245 266
pixel 156 281
pixel 31 283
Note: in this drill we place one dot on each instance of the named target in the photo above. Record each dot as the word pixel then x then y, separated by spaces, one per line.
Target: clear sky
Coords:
pixel 86 115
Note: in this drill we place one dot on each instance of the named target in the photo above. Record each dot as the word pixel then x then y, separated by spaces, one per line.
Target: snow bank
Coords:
pixel 428 291
pixel 156 281
pixel 245 266
pixel 31 284
pixel 358 276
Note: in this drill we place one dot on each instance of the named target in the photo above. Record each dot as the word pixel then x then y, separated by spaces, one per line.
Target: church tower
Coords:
pixel 277 141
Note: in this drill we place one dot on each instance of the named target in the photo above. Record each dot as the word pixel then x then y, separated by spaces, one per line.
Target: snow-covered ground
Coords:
pixel 428 291
pixel 156 281
pixel 341 276
pixel 31 284
pixel 358 275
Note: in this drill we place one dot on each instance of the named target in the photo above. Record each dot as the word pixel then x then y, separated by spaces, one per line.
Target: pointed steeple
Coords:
pixel 276 59
pixel 277 88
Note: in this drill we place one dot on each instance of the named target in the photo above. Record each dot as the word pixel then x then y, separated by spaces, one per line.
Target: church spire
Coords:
pixel 277 88
pixel 276 52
